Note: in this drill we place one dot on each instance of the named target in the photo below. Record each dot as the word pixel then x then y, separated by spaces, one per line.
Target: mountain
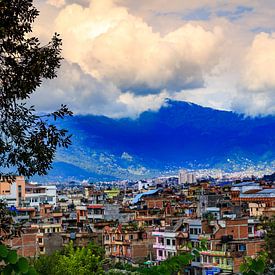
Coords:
pixel 179 135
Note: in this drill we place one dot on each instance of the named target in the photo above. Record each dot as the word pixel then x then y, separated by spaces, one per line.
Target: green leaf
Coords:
pixel 196 252
pixel 7 270
pixel 243 267
pixel 260 266
pixel 23 265
pixel 12 257
pixel 31 271
pixel 3 251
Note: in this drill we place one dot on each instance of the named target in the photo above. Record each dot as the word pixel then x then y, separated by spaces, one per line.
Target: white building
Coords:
pixel 186 177
pixel 38 194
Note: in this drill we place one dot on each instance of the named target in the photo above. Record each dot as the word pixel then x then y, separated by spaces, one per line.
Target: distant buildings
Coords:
pixel 186 177
pixel 19 193
pixel 150 220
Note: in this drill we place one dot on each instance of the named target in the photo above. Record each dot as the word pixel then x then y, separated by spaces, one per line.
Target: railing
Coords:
pixel 214 253
pixel 159 245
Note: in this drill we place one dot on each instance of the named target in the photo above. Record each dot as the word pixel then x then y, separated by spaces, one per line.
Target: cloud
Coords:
pixel 56 3
pixel 257 91
pixel 112 45
pixel 86 95
pixel 125 57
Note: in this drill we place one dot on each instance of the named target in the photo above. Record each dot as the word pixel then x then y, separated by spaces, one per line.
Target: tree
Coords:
pixel 264 263
pixel 72 260
pixel 28 141
pixel 13 264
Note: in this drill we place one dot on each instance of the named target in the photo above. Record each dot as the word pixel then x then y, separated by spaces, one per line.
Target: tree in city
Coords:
pixel 264 263
pixel 28 141
pixel 72 260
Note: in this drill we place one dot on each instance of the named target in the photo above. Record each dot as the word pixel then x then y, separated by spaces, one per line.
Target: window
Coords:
pixel 114 248
pixel 40 240
pixel 191 231
pixel 242 247
pixel 160 253
pixel 218 260
pixel 131 237
pixel 107 237
pixel 229 261
pixel 168 242
pixel 197 259
pixel 196 231
pixel 250 229
pixel 199 230
pixel 173 242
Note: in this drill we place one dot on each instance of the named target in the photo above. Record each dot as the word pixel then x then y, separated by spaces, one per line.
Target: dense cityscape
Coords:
pixel 137 137
pixel 148 221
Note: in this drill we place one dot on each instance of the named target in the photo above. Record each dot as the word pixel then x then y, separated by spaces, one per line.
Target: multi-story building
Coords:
pixel 13 191
pixel 127 243
pixel 39 194
pixel 49 238
pixel 169 240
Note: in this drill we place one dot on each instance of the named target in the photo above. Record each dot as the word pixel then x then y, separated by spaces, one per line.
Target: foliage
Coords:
pixel 72 260
pixel 176 263
pixel 270 238
pixel 11 262
pixel 254 266
pixel 28 142
pixel 8 227
pixel 208 216
pixel 14 264
pixel 264 263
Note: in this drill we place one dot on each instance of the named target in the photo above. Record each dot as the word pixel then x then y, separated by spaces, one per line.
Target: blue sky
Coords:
pixel 123 57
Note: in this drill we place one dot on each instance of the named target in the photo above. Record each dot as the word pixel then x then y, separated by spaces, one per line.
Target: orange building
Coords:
pixel 13 192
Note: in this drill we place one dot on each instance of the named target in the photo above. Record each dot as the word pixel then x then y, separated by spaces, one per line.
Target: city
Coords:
pixel 137 137
pixel 148 221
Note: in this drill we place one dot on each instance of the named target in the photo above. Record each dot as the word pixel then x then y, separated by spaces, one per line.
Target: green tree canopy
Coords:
pixel 72 260
pixel 28 141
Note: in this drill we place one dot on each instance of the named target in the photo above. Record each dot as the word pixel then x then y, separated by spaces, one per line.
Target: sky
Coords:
pixel 124 57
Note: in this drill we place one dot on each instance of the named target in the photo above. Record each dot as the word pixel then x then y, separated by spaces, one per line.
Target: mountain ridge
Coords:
pixel 179 134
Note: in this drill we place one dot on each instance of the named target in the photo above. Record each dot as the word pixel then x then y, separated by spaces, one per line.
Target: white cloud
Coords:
pixel 86 95
pixel 125 57
pixel 257 88
pixel 259 73
pixel 56 3
pixel 111 44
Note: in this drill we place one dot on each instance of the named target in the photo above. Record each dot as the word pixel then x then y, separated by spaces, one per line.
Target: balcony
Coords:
pixel 159 245
pixel 213 253
pixel 236 254
pixel 95 216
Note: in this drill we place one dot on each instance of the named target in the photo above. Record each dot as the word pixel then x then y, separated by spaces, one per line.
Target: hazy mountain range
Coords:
pixel 179 135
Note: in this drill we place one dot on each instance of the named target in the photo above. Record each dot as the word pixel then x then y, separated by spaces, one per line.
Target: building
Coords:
pixel 13 191
pixel 127 243
pixel 186 177
pixel 39 194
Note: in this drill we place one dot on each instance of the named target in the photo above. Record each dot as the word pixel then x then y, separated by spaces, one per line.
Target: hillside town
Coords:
pixel 148 221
